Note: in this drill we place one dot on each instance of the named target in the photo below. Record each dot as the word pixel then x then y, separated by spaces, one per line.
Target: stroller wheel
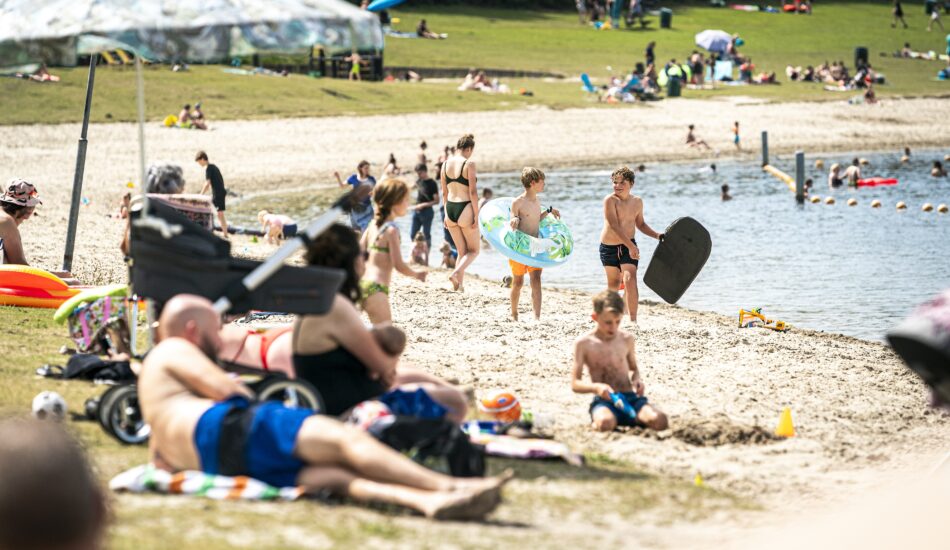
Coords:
pixel 292 393
pixel 121 416
pixel 91 406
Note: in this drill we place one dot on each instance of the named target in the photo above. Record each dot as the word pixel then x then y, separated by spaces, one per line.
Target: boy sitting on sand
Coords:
pixel 526 216
pixel 610 357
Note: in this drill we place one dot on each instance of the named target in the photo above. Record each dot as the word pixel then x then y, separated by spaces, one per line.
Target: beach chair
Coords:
pixel 197 208
pixel 587 85
pixel 723 71
pixel 171 254
pixel 194 261
pixel 126 58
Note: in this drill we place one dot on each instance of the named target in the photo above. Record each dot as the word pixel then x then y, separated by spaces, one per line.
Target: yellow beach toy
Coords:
pixel 754 318
pixel 170 121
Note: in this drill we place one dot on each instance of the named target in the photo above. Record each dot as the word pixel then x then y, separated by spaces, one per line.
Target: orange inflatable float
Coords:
pixel 26 286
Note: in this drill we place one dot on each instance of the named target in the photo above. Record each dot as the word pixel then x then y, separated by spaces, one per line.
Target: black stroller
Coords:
pixel 170 255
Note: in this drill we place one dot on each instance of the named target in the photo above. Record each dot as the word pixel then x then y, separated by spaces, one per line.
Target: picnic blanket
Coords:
pixel 149 479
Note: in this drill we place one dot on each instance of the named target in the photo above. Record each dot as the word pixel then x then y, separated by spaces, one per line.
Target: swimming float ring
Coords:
pixel 551 248
pixel 88 296
pixel 27 286
pixel 874 182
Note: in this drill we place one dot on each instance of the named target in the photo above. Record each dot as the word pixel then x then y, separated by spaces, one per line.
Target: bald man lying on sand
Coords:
pixel 202 418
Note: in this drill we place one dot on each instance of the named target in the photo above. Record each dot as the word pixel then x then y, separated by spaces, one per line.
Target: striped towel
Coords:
pixel 148 478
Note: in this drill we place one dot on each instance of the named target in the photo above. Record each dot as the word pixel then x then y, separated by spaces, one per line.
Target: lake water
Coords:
pixel 854 270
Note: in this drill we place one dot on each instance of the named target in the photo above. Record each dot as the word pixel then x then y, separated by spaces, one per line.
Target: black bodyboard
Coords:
pixel 678 259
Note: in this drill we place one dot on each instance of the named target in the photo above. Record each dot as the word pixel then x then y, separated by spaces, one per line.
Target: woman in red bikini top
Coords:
pixel 270 350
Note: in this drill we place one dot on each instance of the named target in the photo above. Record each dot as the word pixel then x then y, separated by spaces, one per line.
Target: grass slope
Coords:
pixel 549 502
pixel 504 39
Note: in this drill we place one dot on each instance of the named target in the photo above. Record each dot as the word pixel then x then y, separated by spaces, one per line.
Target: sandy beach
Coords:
pixel 862 418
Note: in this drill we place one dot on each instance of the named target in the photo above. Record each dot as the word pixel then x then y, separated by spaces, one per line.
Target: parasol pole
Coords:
pixel 140 100
pixel 140 96
pixel 80 169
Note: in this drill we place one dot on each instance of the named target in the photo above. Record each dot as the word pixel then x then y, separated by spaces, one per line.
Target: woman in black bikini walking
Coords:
pixel 460 199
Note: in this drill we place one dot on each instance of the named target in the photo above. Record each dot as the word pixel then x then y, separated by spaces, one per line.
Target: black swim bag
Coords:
pixel 436 443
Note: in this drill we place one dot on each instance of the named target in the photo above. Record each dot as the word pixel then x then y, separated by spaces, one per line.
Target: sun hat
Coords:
pixel 21 193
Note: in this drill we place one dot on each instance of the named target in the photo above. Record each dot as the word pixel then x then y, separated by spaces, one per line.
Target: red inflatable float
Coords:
pixel 874 182
pixel 26 286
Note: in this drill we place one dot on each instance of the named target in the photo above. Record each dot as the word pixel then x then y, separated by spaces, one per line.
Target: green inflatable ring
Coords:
pixel 87 296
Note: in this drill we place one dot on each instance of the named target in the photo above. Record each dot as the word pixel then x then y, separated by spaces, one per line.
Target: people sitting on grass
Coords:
pixel 196 410
pixel 422 31
pixel 745 71
pixel 335 351
pixel 18 202
pixel 609 355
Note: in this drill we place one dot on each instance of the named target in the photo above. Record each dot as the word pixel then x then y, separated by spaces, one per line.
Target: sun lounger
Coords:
pixel 110 59
pixel 587 85
pixel 126 59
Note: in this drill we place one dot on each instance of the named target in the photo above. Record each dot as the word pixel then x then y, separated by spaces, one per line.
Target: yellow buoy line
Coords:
pixel 876 203
pixel 782 176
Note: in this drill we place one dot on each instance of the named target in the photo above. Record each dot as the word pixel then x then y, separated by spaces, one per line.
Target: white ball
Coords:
pixel 49 404
pixel 367 413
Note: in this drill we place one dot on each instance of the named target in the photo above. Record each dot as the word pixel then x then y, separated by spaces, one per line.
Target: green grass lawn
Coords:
pixel 545 500
pixel 504 39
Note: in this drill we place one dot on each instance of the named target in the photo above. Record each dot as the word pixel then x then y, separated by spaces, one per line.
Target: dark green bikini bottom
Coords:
pixel 454 210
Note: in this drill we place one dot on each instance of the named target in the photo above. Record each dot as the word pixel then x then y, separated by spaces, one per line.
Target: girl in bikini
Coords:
pixel 381 240
pixel 460 200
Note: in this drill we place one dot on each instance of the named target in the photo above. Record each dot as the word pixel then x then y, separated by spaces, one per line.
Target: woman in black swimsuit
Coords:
pixel 460 199
pixel 336 352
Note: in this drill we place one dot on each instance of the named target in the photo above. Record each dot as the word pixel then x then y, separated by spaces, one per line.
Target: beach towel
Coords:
pixel 525 448
pixel 149 479
pixel 400 34
pixel 508 446
pixel 723 70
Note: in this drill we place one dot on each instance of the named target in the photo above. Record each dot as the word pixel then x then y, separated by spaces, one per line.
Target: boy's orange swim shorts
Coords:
pixel 519 270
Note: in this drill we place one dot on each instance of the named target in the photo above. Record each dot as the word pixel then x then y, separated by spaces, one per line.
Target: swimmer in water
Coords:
pixel 834 177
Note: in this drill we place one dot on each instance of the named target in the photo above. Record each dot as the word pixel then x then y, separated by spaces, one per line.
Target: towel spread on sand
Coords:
pixel 149 479
pixel 525 448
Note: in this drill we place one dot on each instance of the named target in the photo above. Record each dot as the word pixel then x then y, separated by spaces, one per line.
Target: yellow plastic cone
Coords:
pixel 698 480
pixel 785 427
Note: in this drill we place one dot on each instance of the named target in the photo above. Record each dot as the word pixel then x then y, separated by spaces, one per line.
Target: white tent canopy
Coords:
pixel 187 30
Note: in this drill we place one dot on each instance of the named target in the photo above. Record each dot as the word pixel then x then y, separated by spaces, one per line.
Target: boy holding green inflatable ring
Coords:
pixel 526 216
